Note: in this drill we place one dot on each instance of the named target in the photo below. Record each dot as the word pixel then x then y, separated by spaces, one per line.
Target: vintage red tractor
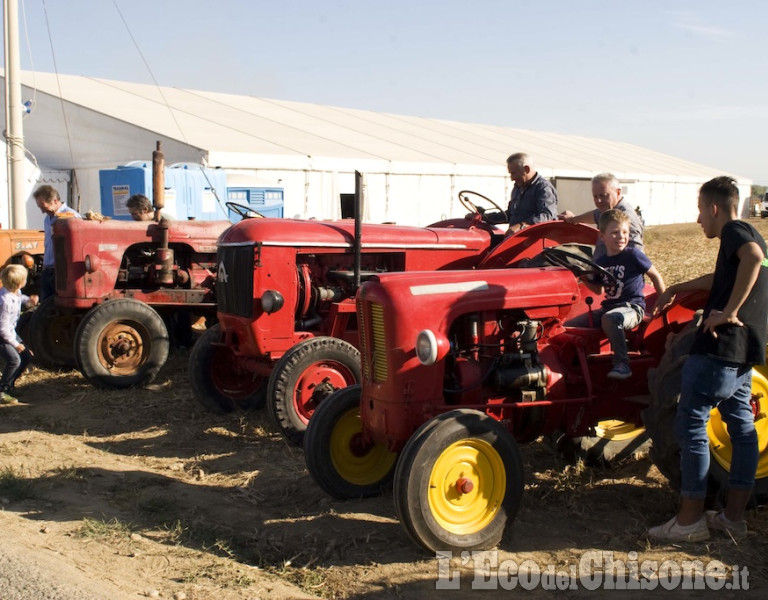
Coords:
pixel 460 367
pixel 287 328
pixel 120 287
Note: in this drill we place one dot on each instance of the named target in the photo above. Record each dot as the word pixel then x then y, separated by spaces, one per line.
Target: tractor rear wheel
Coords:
pixel 458 481
pixel 22 327
pixel 338 457
pixel 613 441
pixel 307 374
pixel 217 380
pixel 52 335
pixel 121 343
pixel 659 418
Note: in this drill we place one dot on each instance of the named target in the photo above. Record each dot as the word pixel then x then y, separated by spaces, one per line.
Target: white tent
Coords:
pixel 414 167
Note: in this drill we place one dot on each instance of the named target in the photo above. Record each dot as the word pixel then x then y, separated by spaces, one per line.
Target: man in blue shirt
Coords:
pixel 49 202
pixel 534 199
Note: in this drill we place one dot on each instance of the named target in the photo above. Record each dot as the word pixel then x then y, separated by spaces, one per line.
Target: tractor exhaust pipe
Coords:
pixel 358 226
pixel 158 181
pixel 164 257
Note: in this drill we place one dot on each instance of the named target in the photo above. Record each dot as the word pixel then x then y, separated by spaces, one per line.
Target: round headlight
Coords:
pixel 426 347
pixel 271 301
pixel 92 263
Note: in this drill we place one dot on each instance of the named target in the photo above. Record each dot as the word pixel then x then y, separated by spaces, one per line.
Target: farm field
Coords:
pixel 142 493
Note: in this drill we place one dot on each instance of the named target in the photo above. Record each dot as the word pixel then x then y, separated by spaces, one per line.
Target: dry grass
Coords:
pixel 681 252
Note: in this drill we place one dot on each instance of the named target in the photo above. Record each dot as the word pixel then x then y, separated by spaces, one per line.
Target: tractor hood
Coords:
pixel 296 233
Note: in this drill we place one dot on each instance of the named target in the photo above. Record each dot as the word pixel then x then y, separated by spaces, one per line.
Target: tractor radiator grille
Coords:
pixel 234 282
pixel 379 344
pixel 361 331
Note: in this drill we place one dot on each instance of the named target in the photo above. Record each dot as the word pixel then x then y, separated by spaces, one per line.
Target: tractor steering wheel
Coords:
pixel 246 212
pixel 494 214
pixel 577 264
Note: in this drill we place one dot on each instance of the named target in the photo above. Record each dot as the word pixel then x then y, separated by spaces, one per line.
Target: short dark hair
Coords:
pixel 613 215
pixel 47 193
pixel 721 191
pixel 139 202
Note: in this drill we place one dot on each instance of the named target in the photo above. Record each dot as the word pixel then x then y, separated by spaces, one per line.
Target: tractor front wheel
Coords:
pixel 120 344
pixel 52 335
pixel 217 380
pixel 307 374
pixel 338 457
pixel 458 481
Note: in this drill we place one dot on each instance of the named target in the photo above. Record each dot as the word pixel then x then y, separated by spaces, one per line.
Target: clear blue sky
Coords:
pixel 683 77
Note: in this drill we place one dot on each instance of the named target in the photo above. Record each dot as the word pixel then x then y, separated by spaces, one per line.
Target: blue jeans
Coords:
pixel 15 363
pixel 47 283
pixel 708 383
pixel 615 322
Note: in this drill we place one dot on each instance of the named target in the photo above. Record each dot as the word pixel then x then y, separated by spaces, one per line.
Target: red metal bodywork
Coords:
pixel 477 319
pixel 310 264
pixel 123 256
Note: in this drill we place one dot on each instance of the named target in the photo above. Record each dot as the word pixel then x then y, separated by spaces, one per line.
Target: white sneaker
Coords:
pixel 672 531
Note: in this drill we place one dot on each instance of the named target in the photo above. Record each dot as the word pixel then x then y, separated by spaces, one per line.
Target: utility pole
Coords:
pixel 14 134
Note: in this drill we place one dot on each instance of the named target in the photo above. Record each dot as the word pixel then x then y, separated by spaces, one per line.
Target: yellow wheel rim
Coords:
pixel 356 462
pixel 467 486
pixel 617 431
pixel 719 441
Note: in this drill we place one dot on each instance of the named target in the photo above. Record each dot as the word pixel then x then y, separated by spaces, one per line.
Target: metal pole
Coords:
pixel 14 134
pixel 358 226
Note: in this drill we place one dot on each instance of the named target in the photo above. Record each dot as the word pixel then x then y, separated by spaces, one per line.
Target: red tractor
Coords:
pixel 287 329
pixel 460 366
pixel 121 289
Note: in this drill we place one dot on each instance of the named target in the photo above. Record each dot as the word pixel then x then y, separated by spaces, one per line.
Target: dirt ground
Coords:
pixel 143 493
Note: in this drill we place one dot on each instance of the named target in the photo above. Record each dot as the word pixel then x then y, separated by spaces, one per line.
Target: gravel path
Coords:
pixel 22 579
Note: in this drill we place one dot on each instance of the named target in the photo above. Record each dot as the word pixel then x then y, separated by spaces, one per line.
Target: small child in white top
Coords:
pixel 12 349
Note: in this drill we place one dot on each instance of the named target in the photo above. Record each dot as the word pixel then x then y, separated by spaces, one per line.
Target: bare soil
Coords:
pixel 143 493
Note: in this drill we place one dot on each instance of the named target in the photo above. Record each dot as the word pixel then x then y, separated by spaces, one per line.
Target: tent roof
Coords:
pixel 225 126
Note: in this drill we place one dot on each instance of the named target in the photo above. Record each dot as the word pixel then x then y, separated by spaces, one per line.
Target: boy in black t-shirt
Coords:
pixel 718 372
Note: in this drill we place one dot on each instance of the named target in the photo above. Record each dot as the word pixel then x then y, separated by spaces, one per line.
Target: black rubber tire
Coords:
pixel 414 472
pixel 602 450
pixel 330 355
pixel 216 381
pixel 22 327
pixel 328 442
pixel 140 326
pixel 659 417
pixel 52 332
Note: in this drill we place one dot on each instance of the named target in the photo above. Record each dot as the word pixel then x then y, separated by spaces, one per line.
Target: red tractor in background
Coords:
pixel 460 366
pixel 287 330
pixel 122 288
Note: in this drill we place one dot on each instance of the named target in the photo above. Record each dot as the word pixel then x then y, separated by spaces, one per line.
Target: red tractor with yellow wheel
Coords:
pixel 459 367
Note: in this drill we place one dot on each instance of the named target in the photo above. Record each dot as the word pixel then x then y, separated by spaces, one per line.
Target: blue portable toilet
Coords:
pixel 260 195
pixel 202 191
pixel 117 185
pixel 191 191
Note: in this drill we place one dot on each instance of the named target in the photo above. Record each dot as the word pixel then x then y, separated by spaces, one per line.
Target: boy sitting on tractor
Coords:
pixel 624 305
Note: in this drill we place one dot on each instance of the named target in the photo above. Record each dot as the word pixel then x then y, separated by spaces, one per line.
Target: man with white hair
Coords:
pixel 606 193
pixel 534 199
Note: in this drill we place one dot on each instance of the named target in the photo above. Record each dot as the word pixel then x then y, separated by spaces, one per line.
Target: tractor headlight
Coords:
pixel 272 301
pixel 92 263
pixel 426 347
